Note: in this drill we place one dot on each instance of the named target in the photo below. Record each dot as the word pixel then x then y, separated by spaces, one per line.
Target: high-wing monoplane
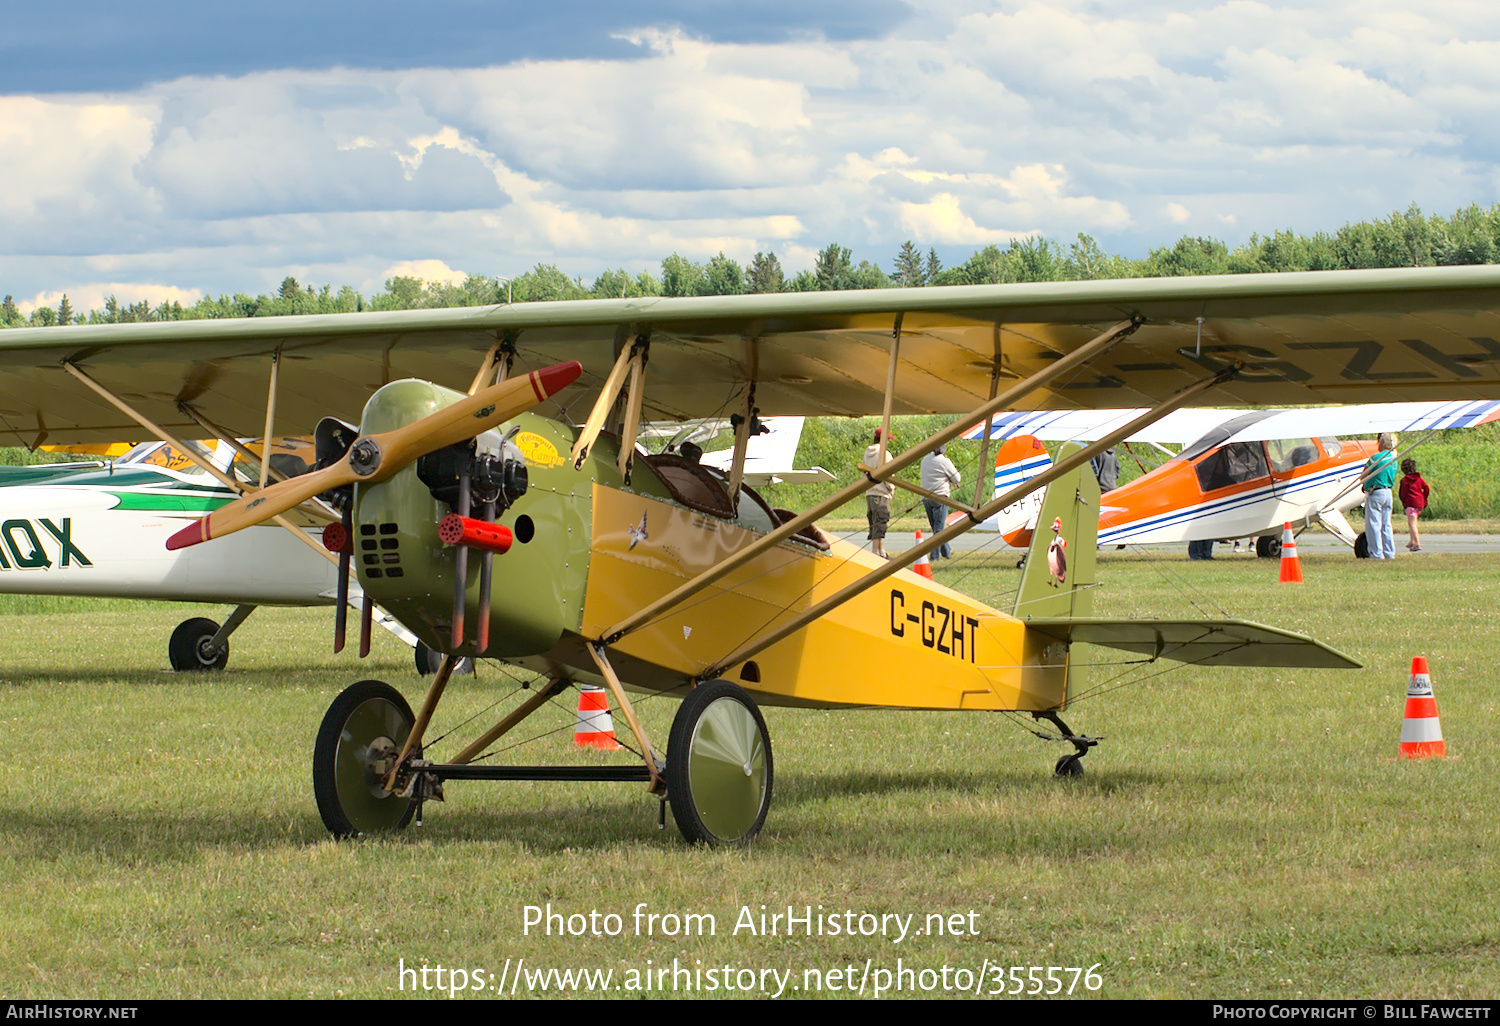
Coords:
pixel 1248 473
pixel 99 528
pixel 494 502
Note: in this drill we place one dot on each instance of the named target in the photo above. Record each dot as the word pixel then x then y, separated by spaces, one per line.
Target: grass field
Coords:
pixel 1237 833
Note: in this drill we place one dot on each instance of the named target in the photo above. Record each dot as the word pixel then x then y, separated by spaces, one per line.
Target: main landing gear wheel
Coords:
pixel 361 736
pixel 1362 546
pixel 192 646
pixel 719 770
pixel 1268 547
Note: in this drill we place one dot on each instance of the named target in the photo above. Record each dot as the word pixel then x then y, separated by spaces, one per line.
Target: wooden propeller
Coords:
pixel 373 458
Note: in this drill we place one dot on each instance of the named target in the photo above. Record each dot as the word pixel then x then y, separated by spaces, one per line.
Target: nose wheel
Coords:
pixel 358 743
pixel 719 766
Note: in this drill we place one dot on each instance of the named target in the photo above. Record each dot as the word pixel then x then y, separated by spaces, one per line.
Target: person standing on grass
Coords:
pixel 878 501
pixel 1380 477
pixel 939 475
pixel 1413 493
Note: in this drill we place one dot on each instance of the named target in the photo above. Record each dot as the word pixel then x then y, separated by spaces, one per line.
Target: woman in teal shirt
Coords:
pixel 1380 477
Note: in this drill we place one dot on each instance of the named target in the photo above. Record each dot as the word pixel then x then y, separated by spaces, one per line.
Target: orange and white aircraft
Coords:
pixel 1247 475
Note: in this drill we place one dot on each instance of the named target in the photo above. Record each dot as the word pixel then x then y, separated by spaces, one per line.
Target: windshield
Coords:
pixel 166 455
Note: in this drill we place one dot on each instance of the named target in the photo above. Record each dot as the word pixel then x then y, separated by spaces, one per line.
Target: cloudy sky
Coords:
pixel 166 149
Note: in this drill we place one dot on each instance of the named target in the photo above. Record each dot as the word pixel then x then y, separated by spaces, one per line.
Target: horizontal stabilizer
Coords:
pixel 1201 642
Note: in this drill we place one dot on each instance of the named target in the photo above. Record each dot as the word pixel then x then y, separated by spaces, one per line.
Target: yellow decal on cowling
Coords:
pixel 537 450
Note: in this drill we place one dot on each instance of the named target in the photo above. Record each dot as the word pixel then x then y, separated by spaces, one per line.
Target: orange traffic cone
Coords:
pixel 1421 733
pixel 1291 566
pixel 595 728
pixel 923 565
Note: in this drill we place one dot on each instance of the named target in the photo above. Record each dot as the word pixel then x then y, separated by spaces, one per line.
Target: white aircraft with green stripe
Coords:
pixel 100 529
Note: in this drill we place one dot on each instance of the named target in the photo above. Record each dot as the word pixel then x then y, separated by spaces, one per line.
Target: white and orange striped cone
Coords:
pixel 1291 566
pixel 923 565
pixel 1421 733
pixel 595 728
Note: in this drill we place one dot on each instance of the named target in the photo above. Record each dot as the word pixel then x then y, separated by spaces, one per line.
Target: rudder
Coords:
pixel 1059 577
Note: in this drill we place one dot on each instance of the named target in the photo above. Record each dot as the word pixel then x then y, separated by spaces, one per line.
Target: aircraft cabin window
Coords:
pixel 1290 453
pixel 1231 465
pixel 162 454
pixel 1331 445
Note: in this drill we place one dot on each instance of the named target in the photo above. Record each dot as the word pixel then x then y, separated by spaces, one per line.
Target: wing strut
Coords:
pixel 497 363
pixel 265 464
pixel 601 659
pixel 1058 469
pixel 312 508
pixel 1060 368
pixel 982 482
pixel 742 433
pixel 607 396
pixel 639 351
pixel 890 390
pixel 188 450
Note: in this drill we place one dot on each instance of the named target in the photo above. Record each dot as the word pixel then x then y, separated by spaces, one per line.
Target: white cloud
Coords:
pixel 430 271
pixel 942 221
pixel 93 296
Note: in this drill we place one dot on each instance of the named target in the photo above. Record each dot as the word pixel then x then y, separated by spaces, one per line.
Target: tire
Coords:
pixel 719 767
pixel 1362 546
pixel 1068 766
pixel 190 647
pixel 428 661
pixel 368 722
pixel 1268 546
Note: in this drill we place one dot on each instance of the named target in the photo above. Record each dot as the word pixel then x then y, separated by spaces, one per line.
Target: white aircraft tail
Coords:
pixel 771 456
pixel 1020 459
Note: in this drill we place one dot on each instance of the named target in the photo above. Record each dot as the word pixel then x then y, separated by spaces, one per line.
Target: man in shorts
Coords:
pixel 878 501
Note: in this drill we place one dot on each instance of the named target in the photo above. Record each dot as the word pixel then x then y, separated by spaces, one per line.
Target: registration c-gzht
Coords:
pixel 947 630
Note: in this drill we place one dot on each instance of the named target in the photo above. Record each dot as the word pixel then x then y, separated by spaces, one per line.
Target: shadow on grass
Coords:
pixel 560 821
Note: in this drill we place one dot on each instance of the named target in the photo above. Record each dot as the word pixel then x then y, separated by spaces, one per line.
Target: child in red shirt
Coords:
pixel 1413 493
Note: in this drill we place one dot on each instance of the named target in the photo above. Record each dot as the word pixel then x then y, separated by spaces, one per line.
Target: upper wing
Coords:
pixel 1370 419
pixel 1087 425
pixel 1305 339
pixel 1191 424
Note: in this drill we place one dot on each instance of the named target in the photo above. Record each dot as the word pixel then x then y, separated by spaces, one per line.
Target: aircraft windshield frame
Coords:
pixel 1224 432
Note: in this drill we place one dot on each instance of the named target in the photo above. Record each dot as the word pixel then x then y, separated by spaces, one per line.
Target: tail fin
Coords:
pixel 1059 576
pixel 1020 459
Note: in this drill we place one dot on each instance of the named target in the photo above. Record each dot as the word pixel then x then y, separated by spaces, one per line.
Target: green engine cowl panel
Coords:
pixel 537 588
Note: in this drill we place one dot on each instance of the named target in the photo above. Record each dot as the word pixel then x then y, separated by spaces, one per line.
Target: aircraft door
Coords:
pixel 1286 455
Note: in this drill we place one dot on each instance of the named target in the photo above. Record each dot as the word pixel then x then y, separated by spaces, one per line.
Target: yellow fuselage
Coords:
pixel 906 642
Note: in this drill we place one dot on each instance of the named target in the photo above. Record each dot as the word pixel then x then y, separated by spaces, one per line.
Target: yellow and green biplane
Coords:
pixel 494 500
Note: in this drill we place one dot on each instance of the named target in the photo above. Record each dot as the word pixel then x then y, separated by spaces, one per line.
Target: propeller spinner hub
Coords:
pixel 364 457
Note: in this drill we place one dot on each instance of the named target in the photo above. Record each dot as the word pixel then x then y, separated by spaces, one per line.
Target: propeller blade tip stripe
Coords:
pixel 192 534
pixel 551 380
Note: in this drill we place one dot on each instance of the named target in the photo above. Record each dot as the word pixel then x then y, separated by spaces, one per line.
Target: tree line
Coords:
pixel 1405 239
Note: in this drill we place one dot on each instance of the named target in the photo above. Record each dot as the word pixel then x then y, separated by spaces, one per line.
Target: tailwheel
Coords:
pixel 1068 766
pixel 718 770
pixel 192 646
pixel 359 741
